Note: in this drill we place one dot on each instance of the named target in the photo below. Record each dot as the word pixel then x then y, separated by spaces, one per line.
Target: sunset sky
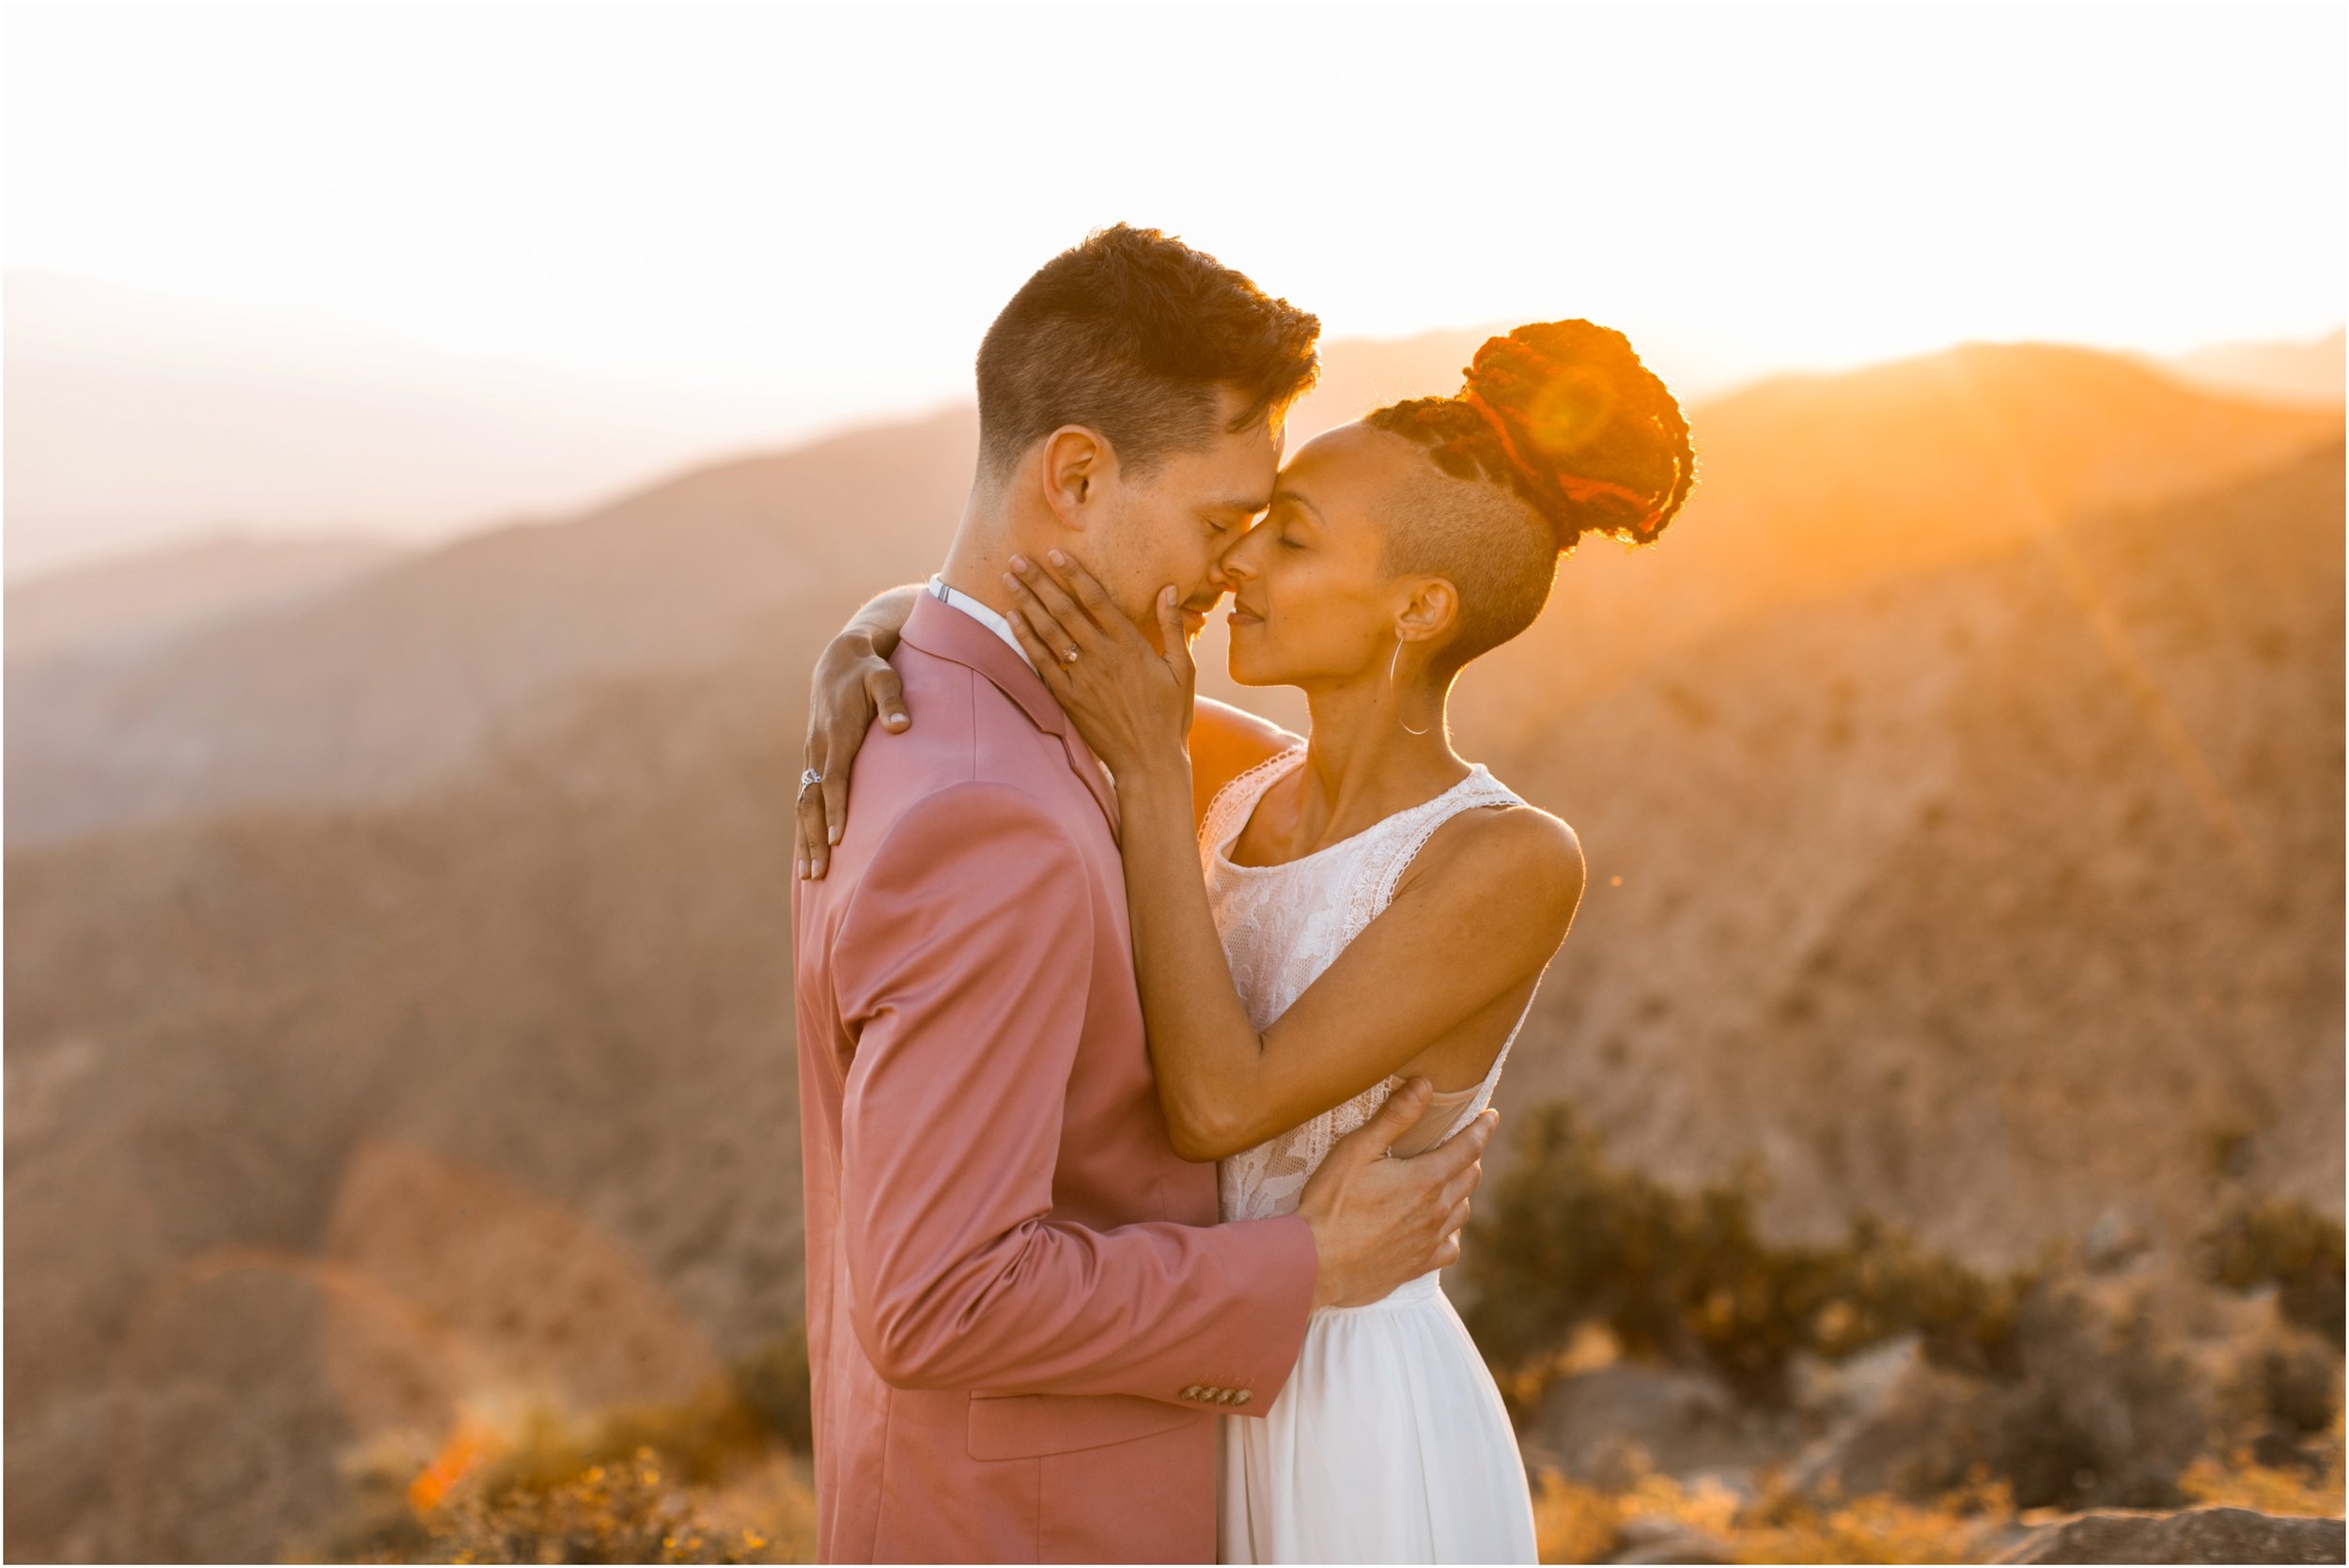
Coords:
pixel 786 217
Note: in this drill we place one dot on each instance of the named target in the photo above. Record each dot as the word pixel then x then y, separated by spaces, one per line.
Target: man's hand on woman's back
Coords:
pixel 1378 1222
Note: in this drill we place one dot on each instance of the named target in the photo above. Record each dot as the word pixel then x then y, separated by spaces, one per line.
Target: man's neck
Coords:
pixel 983 546
pixel 979 576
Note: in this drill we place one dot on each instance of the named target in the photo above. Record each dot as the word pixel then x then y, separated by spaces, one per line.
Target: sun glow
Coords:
pixel 408 269
pixel 756 196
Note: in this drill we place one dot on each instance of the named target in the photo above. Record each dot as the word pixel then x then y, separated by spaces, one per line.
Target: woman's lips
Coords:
pixel 1236 617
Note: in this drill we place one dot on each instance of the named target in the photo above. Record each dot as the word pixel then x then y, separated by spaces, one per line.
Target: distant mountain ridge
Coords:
pixel 1809 486
pixel 2310 372
pixel 363 693
pixel 120 606
pixel 404 674
pixel 134 410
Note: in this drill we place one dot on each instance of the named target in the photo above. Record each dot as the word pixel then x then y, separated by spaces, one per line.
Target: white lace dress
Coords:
pixel 1388 1442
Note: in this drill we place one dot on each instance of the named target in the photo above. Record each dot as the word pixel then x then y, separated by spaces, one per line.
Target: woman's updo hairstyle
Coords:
pixel 1559 419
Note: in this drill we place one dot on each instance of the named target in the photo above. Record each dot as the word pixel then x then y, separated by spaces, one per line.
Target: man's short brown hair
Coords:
pixel 1130 333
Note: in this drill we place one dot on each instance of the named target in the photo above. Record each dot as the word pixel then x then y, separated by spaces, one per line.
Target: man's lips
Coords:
pixel 1239 616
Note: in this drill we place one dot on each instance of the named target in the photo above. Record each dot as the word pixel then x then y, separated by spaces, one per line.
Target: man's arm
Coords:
pixel 962 967
pixel 878 620
pixel 1225 742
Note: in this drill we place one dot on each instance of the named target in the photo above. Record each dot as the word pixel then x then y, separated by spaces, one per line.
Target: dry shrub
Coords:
pixel 1570 1238
pixel 2037 1377
pixel 1877 1527
pixel 2280 1387
pixel 2286 1244
pixel 2240 1481
pixel 1576 1523
pixel 523 1481
pixel 2106 1408
pixel 773 1382
pixel 627 1511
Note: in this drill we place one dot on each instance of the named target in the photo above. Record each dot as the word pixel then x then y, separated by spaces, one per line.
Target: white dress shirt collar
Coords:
pixel 1001 627
pixel 980 613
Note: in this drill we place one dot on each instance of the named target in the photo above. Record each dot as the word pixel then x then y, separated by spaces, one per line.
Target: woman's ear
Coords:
pixel 1431 612
pixel 1076 462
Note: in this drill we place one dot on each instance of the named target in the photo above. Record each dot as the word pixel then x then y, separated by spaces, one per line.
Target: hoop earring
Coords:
pixel 1398 696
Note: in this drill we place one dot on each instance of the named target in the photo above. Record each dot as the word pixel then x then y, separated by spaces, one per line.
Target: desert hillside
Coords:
pixel 1975 795
pixel 362 694
pixel 1810 487
pixel 1994 895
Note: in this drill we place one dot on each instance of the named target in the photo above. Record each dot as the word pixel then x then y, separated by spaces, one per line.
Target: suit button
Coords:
pixel 1229 1396
pixel 1191 1392
pixel 1243 1396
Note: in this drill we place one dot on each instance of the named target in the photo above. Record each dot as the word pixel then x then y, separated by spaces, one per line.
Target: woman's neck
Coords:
pixel 1362 766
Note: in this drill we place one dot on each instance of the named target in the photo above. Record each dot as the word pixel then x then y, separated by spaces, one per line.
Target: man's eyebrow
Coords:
pixel 1278 496
pixel 1247 505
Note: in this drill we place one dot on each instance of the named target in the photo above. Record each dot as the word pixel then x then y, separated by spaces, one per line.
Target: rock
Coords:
pixel 1605 1425
pixel 1852 1398
pixel 1859 1383
pixel 2111 1242
pixel 1897 1440
pixel 2186 1535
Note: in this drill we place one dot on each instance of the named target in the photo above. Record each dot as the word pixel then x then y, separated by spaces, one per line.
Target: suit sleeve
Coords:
pixel 962 968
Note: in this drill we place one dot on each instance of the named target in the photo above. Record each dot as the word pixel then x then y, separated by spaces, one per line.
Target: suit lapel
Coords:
pixel 938 628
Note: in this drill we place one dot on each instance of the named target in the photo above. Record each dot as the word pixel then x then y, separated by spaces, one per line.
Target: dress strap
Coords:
pixel 1240 795
pixel 1374 888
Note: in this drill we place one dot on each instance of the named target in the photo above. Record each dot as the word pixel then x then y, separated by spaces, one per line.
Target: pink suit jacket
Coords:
pixel 1022 1316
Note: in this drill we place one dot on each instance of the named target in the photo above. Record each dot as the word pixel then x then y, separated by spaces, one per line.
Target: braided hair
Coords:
pixel 1557 431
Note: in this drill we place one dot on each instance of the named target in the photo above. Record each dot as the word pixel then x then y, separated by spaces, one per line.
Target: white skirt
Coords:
pixel 1388 1443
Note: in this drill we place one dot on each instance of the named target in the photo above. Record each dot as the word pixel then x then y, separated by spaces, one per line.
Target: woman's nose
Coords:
pixel 1232 566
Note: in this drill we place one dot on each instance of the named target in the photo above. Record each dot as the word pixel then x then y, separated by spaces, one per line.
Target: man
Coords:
pixel 1023 1318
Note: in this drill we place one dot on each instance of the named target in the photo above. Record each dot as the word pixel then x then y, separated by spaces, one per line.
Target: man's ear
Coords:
pixel 1077 462
pixel 1431 612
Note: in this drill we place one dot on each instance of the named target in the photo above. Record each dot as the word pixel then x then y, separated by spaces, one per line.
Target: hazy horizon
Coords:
pixel 234 240
pixel 584 441
pixel 251 422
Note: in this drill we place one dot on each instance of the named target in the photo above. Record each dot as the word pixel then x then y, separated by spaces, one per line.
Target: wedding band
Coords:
pixel 809 776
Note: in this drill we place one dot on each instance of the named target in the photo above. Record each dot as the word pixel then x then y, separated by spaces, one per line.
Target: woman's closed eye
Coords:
pixel 1283 517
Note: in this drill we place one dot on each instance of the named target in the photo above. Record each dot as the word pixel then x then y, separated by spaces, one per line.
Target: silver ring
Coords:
pixel 809 776
pixel 1068 655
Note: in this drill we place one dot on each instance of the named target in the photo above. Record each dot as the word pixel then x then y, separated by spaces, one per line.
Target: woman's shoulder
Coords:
pixel 1510 844
pixel 1515 826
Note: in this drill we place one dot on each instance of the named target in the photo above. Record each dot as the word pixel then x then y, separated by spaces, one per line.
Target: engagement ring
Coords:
pixel 809 776
pixel 1068 656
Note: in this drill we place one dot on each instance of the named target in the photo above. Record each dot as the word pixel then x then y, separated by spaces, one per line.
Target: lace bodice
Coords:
pixel 1282 925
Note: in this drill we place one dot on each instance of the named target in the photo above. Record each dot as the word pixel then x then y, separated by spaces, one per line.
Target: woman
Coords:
pixel 1314 922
